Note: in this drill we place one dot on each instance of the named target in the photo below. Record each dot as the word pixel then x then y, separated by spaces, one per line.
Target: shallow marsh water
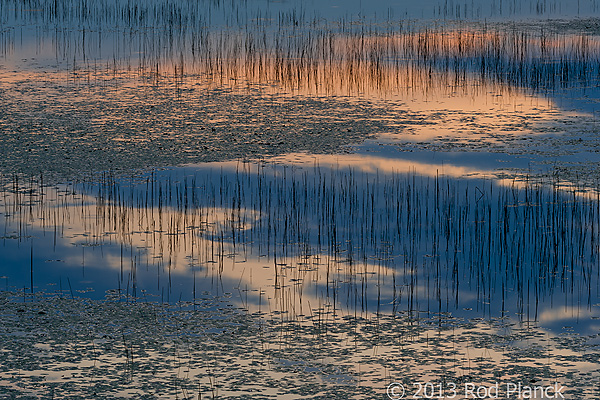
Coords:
pixel 296 199
pixel 383 272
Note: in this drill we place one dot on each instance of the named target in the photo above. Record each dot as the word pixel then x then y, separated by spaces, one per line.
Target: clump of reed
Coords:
pixel 358 241
pixel 164 42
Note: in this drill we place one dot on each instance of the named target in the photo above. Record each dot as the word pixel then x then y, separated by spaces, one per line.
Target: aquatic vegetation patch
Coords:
pixel 76 348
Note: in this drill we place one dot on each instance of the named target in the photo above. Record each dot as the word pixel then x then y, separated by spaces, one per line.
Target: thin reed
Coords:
pixel 364 242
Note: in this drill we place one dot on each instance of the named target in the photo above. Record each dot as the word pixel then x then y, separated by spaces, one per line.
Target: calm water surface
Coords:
pixel 298 199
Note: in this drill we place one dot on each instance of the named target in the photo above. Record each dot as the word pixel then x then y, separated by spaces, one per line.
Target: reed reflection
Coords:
pixel 282 237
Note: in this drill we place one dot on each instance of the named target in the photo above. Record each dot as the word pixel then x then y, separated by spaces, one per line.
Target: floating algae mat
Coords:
pixel 55 346
pixel 98 86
